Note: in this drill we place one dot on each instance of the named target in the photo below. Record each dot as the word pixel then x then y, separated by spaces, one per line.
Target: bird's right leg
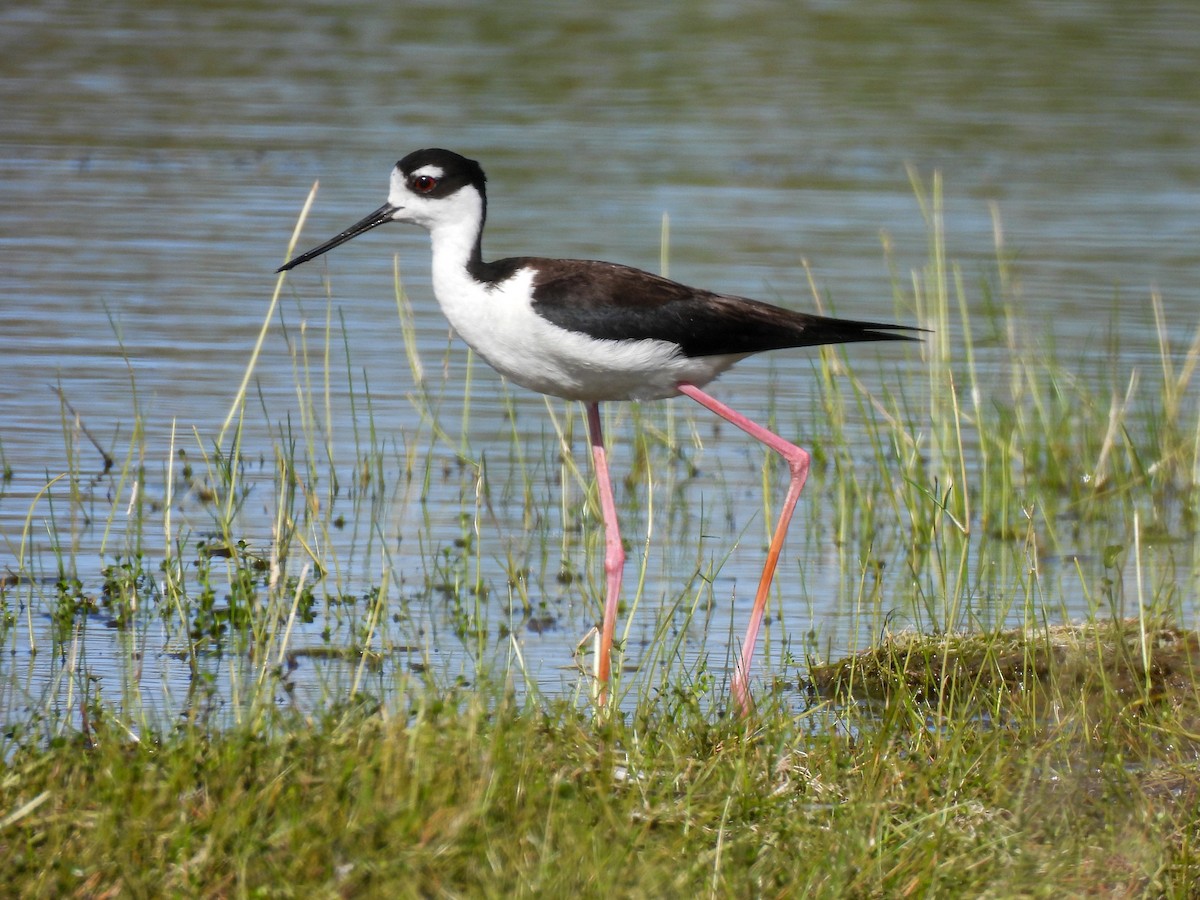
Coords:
pixel 614 552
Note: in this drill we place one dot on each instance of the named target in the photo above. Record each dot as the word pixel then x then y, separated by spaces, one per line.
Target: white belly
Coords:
pixel 577 367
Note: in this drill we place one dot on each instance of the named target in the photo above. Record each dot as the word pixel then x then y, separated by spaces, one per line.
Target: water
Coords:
pixel 153 161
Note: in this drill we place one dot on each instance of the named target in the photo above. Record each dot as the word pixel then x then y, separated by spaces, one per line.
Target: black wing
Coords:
pixel 615 302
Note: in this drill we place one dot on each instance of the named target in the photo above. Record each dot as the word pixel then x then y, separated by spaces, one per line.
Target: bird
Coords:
pixel 594 332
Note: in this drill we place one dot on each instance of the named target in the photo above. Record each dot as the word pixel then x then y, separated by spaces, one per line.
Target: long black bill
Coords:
pixel 381 216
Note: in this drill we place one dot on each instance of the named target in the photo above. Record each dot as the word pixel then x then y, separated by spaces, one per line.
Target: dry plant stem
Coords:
pixel 614 553
pixel 798 462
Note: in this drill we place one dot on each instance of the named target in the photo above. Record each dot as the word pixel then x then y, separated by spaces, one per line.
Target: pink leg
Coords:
pixel 797 460
pixel 614 553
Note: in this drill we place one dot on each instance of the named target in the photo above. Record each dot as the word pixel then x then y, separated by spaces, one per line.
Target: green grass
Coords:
pixel 464 793
pixel 964 740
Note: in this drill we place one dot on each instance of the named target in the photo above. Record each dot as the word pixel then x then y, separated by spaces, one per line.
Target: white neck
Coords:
pixel 453 245
pixel 454 233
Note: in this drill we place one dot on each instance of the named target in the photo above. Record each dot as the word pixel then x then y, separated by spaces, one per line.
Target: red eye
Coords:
pixel 423 184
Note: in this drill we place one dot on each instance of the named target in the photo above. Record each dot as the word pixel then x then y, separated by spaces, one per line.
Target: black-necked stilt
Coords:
pixel 592 331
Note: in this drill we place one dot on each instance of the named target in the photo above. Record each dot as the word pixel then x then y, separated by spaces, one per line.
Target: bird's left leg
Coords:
pixel 798 461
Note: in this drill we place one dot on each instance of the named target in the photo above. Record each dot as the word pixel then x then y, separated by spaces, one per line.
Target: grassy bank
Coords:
pixel 464 794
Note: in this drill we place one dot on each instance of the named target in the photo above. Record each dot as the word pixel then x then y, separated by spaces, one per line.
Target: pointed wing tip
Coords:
pixel 878 331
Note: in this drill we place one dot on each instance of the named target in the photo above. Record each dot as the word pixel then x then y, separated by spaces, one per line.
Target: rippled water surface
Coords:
pixel 153 162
